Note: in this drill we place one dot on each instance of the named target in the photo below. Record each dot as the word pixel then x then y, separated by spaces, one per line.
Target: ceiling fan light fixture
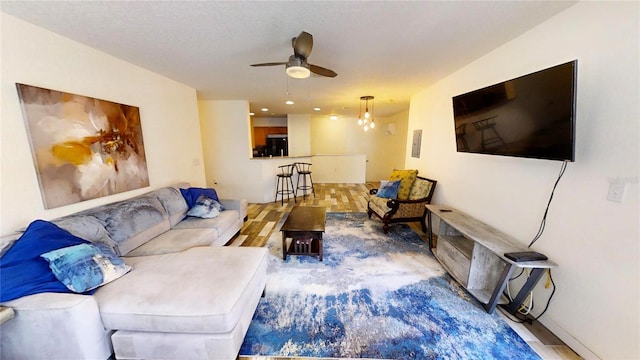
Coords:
pixel 298 72
pixel 297 68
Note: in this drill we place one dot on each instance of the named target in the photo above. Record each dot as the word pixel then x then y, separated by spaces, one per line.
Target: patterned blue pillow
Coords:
pixel 86 266
pixel 205 207
pixel 389 190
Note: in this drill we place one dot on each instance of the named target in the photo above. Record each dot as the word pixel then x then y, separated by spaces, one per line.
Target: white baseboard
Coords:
pixel 571 342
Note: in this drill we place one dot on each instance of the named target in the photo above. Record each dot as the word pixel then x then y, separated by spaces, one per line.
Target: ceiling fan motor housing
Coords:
pixel 297 68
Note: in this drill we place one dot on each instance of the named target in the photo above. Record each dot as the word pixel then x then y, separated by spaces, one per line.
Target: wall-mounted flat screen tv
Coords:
pixel 531 116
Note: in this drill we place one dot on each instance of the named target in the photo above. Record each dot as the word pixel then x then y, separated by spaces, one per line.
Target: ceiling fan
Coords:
pixel 297 66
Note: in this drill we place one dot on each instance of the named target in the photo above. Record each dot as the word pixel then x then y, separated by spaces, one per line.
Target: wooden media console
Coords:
pixel 473 253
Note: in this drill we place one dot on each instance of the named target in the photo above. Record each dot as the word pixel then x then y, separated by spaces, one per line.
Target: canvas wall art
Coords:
pixel 83 148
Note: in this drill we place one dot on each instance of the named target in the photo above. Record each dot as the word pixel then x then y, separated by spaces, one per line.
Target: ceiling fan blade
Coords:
pixel 302 45
pixel 270 64
pixel 322 71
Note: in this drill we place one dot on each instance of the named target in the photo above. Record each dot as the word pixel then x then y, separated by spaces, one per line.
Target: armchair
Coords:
pixel 399 211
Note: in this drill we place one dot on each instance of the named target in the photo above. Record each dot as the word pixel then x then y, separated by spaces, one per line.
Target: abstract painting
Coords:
pixel 83 148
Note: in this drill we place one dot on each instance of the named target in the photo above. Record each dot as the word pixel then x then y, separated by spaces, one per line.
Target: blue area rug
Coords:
pixel 373 296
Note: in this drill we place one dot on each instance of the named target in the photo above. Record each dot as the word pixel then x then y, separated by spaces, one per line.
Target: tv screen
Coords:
pixel 531 116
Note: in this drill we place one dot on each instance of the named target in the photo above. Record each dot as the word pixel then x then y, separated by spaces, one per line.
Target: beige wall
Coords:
pixel 299 127
pixel 391 136
pixel 594 241
pixel 38 57
pixel 384 150
pixel 229 167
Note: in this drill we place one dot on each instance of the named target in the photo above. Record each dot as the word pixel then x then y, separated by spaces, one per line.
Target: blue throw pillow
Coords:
pixel 22 270
pixel 192 194
pixel 389 190
pixel 205 207
pixel 86 266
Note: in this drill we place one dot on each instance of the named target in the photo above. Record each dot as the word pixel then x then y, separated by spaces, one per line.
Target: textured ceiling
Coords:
pixel 388 49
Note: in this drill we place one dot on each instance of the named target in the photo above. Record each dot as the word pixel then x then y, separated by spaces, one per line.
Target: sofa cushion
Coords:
pixel 228 235
pixel 86 227
pixel 23 271
pixel 200 290
pixel 176 240
pixel 132 222
pixel 54 326
pixel 7 241
pixel 406 177
pixel 173 202
pixel 85 267
pixel 379 205
pixel 221 223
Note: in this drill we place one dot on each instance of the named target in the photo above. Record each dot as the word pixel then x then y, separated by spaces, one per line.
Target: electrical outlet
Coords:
pixel 616 191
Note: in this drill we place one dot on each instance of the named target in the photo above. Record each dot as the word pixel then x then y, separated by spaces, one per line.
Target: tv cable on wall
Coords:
pixel 526 310
pixel 546 211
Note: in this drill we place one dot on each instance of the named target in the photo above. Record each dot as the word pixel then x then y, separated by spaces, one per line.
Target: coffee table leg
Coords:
pixel 320 247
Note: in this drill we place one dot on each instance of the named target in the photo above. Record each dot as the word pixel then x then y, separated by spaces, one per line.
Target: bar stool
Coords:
pixel 304 171
pixel 284 175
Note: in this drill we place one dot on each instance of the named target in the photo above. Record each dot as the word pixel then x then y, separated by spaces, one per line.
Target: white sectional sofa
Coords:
pixel 186 297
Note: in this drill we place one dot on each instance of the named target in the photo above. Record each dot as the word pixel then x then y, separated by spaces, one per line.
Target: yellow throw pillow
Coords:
pixel 406 177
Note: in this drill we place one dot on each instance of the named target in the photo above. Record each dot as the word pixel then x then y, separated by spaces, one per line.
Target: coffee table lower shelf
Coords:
pixel 309 244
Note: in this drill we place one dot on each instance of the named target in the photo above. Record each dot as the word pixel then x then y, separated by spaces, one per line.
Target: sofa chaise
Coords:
pixel 185 297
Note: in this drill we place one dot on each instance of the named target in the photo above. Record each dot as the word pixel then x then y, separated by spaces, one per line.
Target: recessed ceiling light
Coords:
pixel 316 108
pixel 264 109
pixel 252 113
pixel 289 102
pixel 333 117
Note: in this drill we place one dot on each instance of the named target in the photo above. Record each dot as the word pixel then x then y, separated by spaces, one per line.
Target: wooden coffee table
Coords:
pixel 304 226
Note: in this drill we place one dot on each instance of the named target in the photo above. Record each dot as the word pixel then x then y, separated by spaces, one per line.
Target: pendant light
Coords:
pixel 366 120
